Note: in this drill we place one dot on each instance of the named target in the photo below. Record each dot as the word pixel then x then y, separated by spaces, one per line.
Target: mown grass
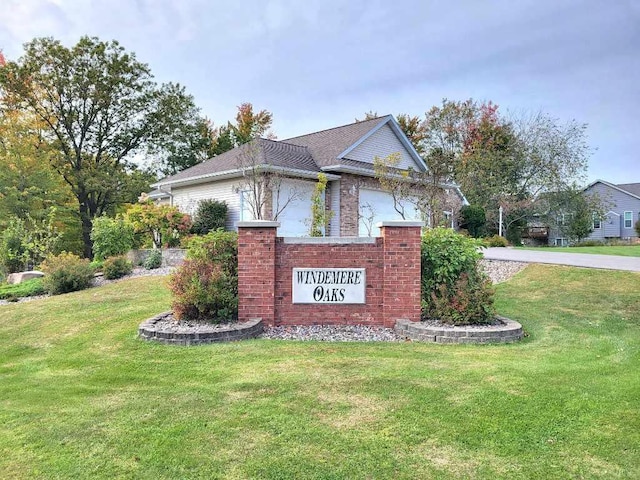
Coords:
pixel 622 250
pixel 82 397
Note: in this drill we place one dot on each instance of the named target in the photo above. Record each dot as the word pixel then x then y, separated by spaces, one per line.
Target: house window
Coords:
pixel 597 222
pixel 561 242
pixel 563 219
pixel 628 219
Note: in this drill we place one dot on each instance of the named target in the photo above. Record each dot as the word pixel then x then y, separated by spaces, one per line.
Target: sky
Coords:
pixel 322 63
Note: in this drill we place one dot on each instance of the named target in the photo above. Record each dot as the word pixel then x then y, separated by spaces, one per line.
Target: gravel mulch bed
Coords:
pixel 501 270
pixel 137 272
pixel 333 333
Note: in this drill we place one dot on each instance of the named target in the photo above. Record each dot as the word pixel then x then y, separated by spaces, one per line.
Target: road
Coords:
pixel 610 262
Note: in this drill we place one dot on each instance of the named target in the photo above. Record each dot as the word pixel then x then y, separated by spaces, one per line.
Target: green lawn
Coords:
pixel 82 397
pixel 623 250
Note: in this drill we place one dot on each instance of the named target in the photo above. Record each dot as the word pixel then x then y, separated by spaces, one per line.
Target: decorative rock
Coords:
pixel 20 277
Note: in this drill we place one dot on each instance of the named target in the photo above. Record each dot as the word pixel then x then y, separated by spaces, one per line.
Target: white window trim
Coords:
pixel 596 218
pixel 630 219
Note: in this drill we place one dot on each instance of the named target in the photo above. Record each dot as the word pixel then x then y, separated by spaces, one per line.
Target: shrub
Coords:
pixel 210 215
pixel 454 289
pixel 202 291
pixel 205 286
pixel 111 237
pixel 66 273
pixel 468 302
pixel 637 227
pixel 473 219
pixel 13 247
pixel 589 243
pixel 28 288
pixel 116 267
pixel 495 241
pixel 97 265
pixel 153 260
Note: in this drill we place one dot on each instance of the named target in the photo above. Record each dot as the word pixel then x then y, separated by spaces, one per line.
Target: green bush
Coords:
pixel 153 260
pixel 468 302
pixel 116 267
pixel 454 289
pixel 97 265
pixel 205 286
pixel 28 288
pixel 14 253
pixel 589 243
pixel 66 273
pixel 495 241
pixel 210 216
pixel 111 237
pixel 473 219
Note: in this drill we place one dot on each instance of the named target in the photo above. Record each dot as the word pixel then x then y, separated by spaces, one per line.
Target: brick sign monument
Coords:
pixel 331 280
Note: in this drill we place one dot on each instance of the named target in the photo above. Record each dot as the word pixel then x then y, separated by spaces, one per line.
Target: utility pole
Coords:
pixel 500 222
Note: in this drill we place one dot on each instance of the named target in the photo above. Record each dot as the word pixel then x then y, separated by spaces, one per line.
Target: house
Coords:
pixel 622 202
pixel 275 179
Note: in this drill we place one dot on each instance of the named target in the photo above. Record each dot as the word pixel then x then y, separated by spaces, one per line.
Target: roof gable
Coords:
pixel 382 142
pixel 632 189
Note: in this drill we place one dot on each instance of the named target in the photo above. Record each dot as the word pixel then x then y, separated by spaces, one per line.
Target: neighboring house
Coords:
pixel 344 154
pixel 622 202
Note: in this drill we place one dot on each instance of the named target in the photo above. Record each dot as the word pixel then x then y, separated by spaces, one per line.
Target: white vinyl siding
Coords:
pixel 334 223
pixel 187 198
pixel 381 144
pixel 294 199
pixel 377 206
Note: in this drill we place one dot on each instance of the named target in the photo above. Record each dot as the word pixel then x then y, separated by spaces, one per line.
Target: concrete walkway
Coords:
pixel 611 262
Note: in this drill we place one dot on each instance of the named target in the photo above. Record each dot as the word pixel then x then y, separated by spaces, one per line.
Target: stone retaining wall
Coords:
pixel 509 331
pixel 149 330
pixel 171 257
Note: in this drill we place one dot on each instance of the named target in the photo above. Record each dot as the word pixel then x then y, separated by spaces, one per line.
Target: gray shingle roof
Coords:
pixel 326 145
pixel 310 152
pixel 632 188
pixel 257 152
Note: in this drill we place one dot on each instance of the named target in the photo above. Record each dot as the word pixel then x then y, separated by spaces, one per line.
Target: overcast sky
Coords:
pixel 319 64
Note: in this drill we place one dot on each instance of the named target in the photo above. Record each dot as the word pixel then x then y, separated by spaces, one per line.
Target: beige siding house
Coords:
pixel 290 168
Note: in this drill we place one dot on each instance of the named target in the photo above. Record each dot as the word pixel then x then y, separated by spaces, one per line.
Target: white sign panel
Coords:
pixel 328 285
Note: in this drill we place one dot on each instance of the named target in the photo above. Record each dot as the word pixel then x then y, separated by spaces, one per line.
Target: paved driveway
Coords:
pixel 611 262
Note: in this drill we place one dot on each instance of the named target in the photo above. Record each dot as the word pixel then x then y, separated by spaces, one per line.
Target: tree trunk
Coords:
pixel 85 217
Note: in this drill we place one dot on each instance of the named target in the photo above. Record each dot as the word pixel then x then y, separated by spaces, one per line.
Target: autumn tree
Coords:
pixel 248 125
pixel 101 108
pixel 163 224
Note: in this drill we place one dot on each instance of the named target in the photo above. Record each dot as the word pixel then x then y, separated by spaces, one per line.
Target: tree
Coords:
pixel 163 223
pixel 320 216
pixel 263 191
pixel 571 212
pixel 248 126
pixel 101 107
pixel 473 219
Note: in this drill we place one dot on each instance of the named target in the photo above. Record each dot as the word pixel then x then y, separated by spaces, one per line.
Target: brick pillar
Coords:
pixel 401 282
pixel 257 270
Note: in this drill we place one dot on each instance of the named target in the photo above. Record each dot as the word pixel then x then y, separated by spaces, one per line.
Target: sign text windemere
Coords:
pixel 328 285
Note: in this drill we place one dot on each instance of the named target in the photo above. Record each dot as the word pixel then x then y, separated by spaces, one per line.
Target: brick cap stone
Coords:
pixel 400 223
pixel 329 240
pixel 258 224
